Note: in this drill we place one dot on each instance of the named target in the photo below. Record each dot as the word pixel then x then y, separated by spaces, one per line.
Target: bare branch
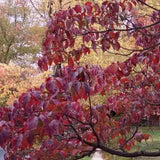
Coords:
pixel 130 154
pixel 36 9
pixel 84 123
pixel 140 50
pixel 84 154
pixel 148 5
pixel 152 103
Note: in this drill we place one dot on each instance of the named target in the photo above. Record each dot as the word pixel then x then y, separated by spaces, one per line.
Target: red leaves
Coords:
pixel 83 92
pixel 80 90
pixel 89 137
pixel 60 96
pixel 134 60
pixel 17 141
pixel 36 95
pixel 86 38
pixel 32 123
pixel 50 85
pixel 88 6
pixel 116 46
pixel 63 113
pixel 154 59
pixel 70 62
pixel 97 9
pixel 121 141
pixel 141 1
pixel 4 135
pixel 112 69
pixel 158 85
pixel 85 50
pixel 52 128
pixel 114 35
pixel 69 23
pixel 125 145
pixel 129 6
pixel 124 80
pixel 134 2
pixel 78 8
pixel 63 154
pixel 57 58
pixel 63 30
pixel 114 40
pixel 105 44
pixel 24 99
pixel 146 136
pixel 29 138
pixel 43 64
pixel 75 152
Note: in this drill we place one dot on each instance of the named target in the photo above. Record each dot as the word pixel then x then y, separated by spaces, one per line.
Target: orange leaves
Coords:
pixel 3 71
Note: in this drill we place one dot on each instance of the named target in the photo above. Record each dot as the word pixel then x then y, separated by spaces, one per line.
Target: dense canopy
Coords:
pixel 53 122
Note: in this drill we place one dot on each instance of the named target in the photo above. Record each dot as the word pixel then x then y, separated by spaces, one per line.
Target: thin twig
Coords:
pixel 36 9
pixel 122 30
pixel 84 123
pixel 148 5
pixel 129 139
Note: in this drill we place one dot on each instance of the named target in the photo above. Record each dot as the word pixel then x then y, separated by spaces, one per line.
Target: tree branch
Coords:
pixel 84 123
pixel 85 154
pixel 148 5
pixel 122 30
pixel 152 103
pixel 36 9
pixel 129 139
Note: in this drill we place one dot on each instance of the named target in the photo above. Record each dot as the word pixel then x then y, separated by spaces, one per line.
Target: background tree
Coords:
pixel 18 33
pixel 14 80
pixel 50 122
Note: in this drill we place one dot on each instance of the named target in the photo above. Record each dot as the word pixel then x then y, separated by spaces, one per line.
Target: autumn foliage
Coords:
pixel 15 80
pixel 50 122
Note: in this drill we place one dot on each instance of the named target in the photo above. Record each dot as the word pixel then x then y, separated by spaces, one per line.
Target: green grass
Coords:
pixel 153 144
pixel 86 158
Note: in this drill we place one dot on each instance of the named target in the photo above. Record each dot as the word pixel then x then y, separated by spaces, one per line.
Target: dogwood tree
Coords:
pixel 52 122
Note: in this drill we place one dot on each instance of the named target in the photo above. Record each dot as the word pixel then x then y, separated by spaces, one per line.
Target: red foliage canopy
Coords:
pixel 50 122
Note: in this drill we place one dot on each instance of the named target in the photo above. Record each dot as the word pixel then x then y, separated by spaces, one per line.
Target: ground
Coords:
pixel 152 144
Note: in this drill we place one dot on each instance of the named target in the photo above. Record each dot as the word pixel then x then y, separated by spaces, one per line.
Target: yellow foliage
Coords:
pixel 15 80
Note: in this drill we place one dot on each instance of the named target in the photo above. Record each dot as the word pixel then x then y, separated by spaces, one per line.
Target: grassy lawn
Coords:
pixel 86 158
pixel 153 144
pixel 150 145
